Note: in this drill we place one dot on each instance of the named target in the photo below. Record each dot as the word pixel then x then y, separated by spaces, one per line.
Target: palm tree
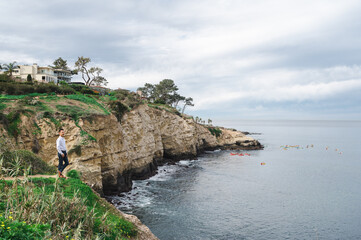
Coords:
pixel 9 68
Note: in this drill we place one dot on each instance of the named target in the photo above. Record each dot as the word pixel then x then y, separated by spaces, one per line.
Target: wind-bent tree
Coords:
pixel 147 91
pixel 60 64
pixel 9 68
pixel 165 92
pixel 188 102
pixel 176 98
pixel 89 75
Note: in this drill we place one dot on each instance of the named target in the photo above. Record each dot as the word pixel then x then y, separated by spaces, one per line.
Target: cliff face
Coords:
pixel 145 138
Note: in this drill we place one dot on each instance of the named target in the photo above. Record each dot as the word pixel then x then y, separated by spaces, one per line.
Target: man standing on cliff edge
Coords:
pixel 62 154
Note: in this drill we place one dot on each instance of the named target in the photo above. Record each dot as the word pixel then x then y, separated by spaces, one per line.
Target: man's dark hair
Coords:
pixel 61 129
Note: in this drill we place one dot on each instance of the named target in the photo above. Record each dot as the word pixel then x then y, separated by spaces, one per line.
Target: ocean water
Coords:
pixel 309 192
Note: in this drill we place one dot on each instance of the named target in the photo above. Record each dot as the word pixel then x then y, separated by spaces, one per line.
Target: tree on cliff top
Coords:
pixel 91 76
pixel 60 64
pixel 188 102
pixel 9 68
pixel 165 92
pixel 147 91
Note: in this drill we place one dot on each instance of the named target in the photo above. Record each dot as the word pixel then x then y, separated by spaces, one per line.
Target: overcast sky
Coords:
pixel 253 59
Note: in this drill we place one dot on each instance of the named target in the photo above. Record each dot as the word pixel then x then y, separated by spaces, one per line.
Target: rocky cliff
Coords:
pixel 117 152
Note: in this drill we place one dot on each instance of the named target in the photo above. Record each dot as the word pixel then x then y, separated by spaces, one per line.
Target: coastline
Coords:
pixel 110 154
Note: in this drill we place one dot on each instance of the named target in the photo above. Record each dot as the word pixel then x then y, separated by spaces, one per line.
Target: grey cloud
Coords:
pixel 210 48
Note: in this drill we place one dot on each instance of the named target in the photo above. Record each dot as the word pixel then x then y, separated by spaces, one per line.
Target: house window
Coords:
pixel 43 78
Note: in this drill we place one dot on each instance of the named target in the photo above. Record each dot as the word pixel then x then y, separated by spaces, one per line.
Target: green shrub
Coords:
pixel 159 101
pixel 29 78
pixel 63 83
pixel 2 106
pixel 50 116
pixel 12 120
pixel 12 126
pixel 5 78
pixel 21 88
pixel 76 87
pixel 215 131
pixel 120 94
pixel 38 166
pixel 118 109
pixel 42 88
pixel 76 149
pixel 73 174
pixel 23 160
pixel 9 89
pixel 13 229
pixel 87 90
pixel 66 90
pixel 74 111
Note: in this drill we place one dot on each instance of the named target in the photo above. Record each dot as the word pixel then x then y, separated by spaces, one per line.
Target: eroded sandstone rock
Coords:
pixel 131 150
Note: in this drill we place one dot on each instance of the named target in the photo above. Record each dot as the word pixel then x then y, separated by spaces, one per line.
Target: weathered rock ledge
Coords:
pixel 129 150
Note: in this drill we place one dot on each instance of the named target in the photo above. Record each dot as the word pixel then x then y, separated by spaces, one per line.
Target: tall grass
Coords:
pixel 57 209
pixel 23 161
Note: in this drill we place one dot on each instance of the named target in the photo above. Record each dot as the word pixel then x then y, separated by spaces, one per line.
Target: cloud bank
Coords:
pixel 271 59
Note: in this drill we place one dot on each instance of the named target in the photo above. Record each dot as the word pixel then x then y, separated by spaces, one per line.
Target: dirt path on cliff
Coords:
pixel 31 176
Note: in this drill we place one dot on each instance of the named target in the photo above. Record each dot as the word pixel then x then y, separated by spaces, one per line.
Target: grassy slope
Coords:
pixel 48 208
pixel 49 108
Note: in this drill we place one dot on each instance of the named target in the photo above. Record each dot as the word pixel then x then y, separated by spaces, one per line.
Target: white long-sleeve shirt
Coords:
pixel 60 144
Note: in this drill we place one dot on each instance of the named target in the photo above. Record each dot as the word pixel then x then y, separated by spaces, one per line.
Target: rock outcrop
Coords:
pixel 132 149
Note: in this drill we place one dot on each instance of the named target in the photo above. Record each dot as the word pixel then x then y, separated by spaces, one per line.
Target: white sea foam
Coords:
pixel 165 172
pixel 184 163
pixel 140 195
pixel 217 150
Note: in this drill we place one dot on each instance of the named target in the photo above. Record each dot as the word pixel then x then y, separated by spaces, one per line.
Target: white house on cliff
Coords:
pixel 42 74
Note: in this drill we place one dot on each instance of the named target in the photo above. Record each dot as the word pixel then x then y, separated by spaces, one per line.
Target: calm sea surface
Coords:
pixel 300 193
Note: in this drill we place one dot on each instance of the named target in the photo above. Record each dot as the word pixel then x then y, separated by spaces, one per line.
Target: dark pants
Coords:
pixel 64 159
